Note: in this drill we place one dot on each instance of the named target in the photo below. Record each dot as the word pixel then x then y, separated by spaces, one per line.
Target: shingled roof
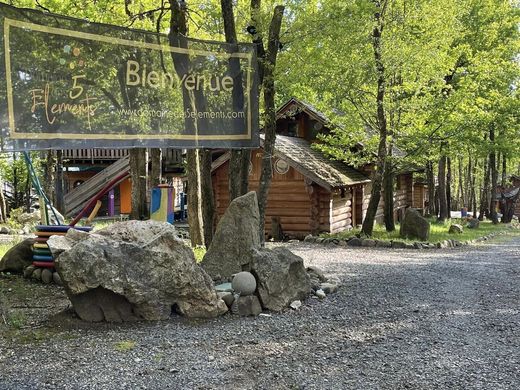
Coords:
pixel 313 164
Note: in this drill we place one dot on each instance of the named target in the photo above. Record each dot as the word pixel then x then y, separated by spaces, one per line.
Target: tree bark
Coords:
pixel 504 170
pixel 138 176
pixel 443 202
pixel 269 115
pixel 60 205
pixel 388 194
pixel 195 218
pixel 494 176
pixel 240 158
pixel 484 195
pixel 460 189
pixel 208 200
pixel 49 184
pixel 448 185
pixel 156 169
pixel 379 171
pixel 430 178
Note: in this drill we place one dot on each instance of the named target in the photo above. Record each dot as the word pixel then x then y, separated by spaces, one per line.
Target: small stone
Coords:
pixel 37 274
pixel 248 306
pixel 329 288
pixel 320 293
pixel 211 358
pixel 355 242
pixel 56 278
pixel 295 305
pixel 367 242
pixel 227 297
pixel 315 271
pixel 343 243
pixel 309 238
pixel 244 283
pixel 398 244
pixel 409 246
pixel 27 272
pixel 456 229
pixel 46 276
pixel 383 244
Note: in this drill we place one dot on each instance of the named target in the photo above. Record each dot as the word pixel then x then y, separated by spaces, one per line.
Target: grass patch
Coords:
pixel 438 232
pixel 124 346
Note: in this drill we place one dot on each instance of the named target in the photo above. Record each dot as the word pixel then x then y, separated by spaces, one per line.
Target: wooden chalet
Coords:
pixel 311 193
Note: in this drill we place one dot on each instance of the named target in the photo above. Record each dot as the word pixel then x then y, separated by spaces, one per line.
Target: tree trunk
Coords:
pixel 379 171
pixel 484 198
pixel 269 115
pixel 208 200
pixel 60 205
pixel 3 207
pixel 240 158
pixel 461 194
pixel 443 201
pixel 494 177
pixel 195 218
pixel 430 178
pixel 448 185
pixel 138 176
pixel 156 169
pixel 504 170
pixel 49 184
pixel 388 194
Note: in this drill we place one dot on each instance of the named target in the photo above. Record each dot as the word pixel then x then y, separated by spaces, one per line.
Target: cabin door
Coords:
pixel 357 206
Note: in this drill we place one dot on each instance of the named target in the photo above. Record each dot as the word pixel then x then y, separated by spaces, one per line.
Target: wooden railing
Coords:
pixel 94 154
pixel 170 156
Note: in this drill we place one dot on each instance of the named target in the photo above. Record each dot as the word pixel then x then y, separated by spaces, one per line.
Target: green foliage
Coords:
pixel 199 252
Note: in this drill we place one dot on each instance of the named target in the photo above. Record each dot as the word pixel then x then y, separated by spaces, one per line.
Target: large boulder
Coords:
pixel 281 277
pixel 414 226
pixel 456 229
pixel 236 235
pixel 133 270
pixel 18 257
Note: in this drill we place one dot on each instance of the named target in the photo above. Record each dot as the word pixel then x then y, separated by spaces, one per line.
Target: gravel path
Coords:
pixel 446 319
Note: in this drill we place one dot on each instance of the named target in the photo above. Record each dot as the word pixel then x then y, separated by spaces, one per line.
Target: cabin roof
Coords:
pixel 328 173
pixel 298 153
pixel 294 106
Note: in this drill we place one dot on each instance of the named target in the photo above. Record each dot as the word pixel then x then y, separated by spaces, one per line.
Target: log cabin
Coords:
pixel 310 193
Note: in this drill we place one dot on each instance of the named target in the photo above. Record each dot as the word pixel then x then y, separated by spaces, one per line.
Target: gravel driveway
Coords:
pixel 444 319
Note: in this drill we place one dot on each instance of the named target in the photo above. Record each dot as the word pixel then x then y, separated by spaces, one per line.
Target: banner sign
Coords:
pixel 67 83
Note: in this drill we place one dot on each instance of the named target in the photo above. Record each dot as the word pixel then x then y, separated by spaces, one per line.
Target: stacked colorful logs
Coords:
pixel 42 256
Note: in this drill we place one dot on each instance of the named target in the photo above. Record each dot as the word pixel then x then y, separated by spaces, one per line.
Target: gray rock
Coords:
pixel 320 294
pixel 57 279
pixel 46 276
pixel 473 223
pixel 456 229
pixel 236 235
pixel 317 272
pixel 27 272
pixel 281 277
pixel 227 297
pixel 383 244
pixel 414 226
pixel 30 218
pixel 295 305
pixel 367 242
pixel 142 262
pixel 248 306
pixel 355 242
pixel 244 283
pixel 309 238
pixel 409 246
pixel 18 257
pixel 398 244
pixel 329 288
pixel 4 230
pixel 37 274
